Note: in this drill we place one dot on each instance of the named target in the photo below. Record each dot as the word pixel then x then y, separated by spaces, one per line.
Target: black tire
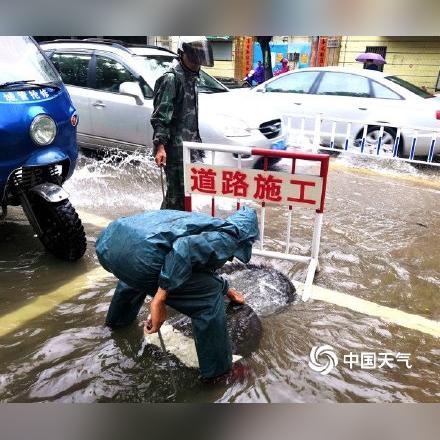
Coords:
pixel 259 164
pixel 63 232
pixel 388 140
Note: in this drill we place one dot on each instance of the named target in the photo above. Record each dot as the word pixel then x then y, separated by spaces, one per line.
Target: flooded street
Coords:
pixel 380 242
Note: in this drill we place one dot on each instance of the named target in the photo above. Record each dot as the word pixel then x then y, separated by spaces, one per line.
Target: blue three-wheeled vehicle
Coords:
pixel 38 148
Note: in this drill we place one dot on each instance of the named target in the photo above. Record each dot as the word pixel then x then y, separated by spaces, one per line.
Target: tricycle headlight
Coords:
pixel 43 130
pixel 232 127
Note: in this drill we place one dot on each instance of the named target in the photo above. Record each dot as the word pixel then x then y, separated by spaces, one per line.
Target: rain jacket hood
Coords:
pixel 245 220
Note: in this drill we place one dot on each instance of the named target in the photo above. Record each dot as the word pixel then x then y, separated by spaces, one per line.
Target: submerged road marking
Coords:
pixel 47 302
pixel 384 173
pixel 12 321
pixel 394 316
pixel 95 220
pixel 44 303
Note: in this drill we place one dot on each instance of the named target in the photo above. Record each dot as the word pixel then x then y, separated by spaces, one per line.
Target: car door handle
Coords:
pixel 362 108
pixel 98 104
pixel 298 103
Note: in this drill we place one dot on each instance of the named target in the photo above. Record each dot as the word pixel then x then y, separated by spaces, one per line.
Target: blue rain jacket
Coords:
pixel 163 248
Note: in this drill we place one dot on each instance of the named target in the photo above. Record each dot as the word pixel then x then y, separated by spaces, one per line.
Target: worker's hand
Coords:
pixel 235 297
pixel 161 156
pixel 158 312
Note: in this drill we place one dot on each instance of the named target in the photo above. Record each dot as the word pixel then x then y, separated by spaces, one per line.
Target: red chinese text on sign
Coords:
pixel 301 198
pixel 268 188
pixel 203 180
pixel 234 182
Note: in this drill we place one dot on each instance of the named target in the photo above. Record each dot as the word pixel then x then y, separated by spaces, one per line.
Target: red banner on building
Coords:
pixel 247 55
pixel 322 52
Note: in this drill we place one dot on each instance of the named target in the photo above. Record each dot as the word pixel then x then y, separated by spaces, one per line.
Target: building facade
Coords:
pixel 415 59
pixel 235 55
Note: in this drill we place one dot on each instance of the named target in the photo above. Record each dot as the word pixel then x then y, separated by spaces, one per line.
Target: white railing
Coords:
pixel 415 144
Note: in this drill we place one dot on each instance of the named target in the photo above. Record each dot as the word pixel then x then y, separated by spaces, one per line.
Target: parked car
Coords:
pixel 112 84
pixel 356 95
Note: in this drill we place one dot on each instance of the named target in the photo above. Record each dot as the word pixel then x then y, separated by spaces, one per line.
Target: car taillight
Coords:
pixel 437 114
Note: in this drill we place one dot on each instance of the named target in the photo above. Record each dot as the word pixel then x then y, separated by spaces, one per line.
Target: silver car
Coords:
pixel 111 85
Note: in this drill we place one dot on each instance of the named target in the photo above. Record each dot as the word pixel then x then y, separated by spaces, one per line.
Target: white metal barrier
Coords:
pixel 415 144
pixel 264 187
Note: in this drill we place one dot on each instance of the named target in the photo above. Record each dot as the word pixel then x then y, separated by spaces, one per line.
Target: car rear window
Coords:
pixel 411 87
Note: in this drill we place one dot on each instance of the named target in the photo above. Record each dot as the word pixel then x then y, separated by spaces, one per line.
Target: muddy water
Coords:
pixel 380 242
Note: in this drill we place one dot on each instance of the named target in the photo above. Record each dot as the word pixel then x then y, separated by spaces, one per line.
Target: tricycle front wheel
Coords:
pixel 63 233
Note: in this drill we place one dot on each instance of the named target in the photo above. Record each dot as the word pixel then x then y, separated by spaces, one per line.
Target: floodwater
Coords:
pixel 380 242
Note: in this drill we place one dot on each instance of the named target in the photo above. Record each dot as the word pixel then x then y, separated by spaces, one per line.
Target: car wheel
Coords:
pixel 388 140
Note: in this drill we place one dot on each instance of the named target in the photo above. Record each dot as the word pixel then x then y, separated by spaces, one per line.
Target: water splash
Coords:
pixel 116 181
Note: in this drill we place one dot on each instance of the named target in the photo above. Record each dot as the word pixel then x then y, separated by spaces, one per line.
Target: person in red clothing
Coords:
pixel 284 67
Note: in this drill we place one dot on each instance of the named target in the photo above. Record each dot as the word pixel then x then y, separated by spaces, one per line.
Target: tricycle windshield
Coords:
pixel 21 62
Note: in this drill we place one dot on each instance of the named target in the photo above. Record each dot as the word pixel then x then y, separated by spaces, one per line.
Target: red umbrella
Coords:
pixel 370 56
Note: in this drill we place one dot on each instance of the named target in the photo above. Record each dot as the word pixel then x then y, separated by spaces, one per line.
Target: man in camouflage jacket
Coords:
pixel 175 114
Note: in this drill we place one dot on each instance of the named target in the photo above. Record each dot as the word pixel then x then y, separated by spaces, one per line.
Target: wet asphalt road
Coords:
pixel 380 242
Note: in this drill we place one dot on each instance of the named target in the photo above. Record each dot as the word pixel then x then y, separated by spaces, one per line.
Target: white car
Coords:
pixel 356 95
pixel 111 85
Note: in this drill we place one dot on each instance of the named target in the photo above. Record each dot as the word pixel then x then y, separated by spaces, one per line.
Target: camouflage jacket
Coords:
pixel 175 114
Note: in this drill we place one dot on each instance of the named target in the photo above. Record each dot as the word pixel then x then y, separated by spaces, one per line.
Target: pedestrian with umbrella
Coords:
pixel 371 60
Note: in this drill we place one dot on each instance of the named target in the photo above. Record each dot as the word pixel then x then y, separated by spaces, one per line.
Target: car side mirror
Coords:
pixel 262 89
pixel 132 89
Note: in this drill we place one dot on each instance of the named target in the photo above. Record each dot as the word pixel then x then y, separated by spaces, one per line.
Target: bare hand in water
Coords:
pixel 158 312
pixel 235 297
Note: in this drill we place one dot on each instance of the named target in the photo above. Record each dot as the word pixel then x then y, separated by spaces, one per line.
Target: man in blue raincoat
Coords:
pixel 172 256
